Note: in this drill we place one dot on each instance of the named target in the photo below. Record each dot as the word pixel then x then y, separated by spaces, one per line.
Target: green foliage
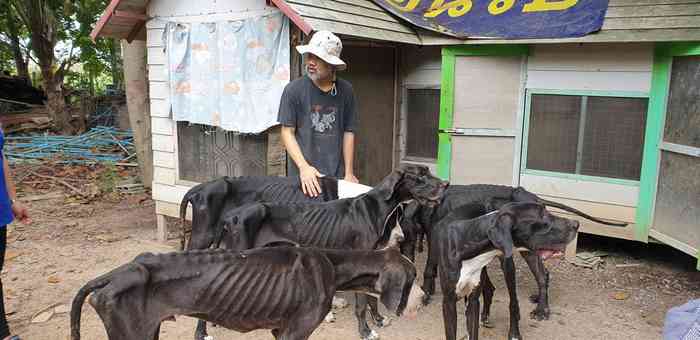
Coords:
pixel 94 64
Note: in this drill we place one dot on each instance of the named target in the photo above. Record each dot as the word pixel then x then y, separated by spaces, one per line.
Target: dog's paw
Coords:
pixel 372 336
pixel 330 317
pixel 208 337
pixel 540 314
pixel 427 298
pixel 339 303
pixel 382 322
pixel 487 323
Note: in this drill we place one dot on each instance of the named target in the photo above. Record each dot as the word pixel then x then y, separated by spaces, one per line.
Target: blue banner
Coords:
pixel 507 19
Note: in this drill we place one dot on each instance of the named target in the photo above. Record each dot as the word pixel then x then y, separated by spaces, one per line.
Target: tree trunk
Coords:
pixel 56 102
pixel 136 82
pixel 20 62
pixel 115 64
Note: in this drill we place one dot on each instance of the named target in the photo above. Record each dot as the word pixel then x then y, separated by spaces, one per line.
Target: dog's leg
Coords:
pixel 431 270
pixel 303 324
pixel 408 249
pixel 378 319
pixel 201 332
pixel 514 307
pixel 472 313
pixel 449 307
pixel 361 314
pixel 541 312
pixel 488 289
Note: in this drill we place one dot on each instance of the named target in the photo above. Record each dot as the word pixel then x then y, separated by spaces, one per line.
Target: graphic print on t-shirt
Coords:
pixel 323 118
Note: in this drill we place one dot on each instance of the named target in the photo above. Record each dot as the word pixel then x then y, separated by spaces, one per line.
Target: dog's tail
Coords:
pixel 79 300
pixel 580 213
pixel 188 198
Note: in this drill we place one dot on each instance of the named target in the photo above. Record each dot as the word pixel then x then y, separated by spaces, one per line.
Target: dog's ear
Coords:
pixel 522 195
pixel 246 222
pixel 329 188
pixel 500 233
pixel 495 203
pixel 391 285
pixel 391 183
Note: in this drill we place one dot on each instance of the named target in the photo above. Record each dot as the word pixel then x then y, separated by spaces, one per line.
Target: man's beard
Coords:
pixel 316 76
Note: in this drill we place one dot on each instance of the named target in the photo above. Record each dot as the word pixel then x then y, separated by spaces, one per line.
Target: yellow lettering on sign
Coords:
pixel 455 8
pixel 404 5
pixel 547 5
pixel 497 7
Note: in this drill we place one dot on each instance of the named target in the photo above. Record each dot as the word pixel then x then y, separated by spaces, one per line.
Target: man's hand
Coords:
pixel 309 182
pixel 351 178
pixel 21 213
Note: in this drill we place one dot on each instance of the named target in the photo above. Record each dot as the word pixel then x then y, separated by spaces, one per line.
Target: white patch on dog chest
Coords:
pixel 470 273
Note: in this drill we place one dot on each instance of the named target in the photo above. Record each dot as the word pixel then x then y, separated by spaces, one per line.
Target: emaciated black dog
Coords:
pixel 211 199
pixel 463 248
pixel 352 223
pixel 285 289
pixel 465 202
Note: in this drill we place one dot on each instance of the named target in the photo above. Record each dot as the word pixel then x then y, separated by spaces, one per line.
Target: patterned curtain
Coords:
pixel 228 74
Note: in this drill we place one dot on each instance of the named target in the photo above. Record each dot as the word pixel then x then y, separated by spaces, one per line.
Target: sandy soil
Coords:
pixel 70 243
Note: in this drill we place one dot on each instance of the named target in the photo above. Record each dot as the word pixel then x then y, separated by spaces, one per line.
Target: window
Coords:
pixel 586 135
pixel 205 152
pixel 422 115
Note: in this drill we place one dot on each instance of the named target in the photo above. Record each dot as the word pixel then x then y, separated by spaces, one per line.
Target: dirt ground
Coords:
pixel 71 242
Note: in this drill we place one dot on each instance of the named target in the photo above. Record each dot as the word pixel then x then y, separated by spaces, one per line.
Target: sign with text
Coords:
pixel 508 19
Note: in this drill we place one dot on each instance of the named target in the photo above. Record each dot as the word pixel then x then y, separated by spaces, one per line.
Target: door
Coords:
pixel 677 205
pixel 371 72
pixel 487 96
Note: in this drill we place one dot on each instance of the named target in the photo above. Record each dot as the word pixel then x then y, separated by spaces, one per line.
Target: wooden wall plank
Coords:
pixel 164 159
pixel 160 108
pixel 163 143
pixel 156 56
pixel 617 194
pixel 164 175
pixel 162 126
pixel 652 23
pixel 157 72
pixel 592 57
pixel 597 81
pixel 169 193
pixel 158 90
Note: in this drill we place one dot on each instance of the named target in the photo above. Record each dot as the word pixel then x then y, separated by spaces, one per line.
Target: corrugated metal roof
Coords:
pixel 356 18
pixel 625 21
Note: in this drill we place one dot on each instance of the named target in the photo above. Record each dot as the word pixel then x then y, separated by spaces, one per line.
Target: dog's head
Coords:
pixel 531 226
pixel 396 284
pixel 240 226
pixel 414 182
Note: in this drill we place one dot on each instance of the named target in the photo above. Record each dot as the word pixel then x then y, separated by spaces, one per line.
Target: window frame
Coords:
pixel 404 121
pixel 588 93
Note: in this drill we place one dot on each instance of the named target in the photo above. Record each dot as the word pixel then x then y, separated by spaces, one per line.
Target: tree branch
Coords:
pixel 66 64
pixel 22 14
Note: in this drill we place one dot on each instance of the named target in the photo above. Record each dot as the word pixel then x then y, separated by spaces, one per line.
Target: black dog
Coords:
pixel 465 202
pixel 285 289
pixel 210 199
pixel 515 225
pixel 353 223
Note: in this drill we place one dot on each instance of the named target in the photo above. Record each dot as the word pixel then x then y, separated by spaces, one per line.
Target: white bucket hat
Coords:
pixel 326 46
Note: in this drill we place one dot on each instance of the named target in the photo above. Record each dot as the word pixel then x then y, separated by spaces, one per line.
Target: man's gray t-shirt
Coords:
pixel 320 119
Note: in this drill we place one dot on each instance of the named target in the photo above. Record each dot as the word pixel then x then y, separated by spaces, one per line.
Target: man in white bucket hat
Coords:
pixel 318 115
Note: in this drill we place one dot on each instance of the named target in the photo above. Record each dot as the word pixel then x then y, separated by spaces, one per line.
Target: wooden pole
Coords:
pixel 137 100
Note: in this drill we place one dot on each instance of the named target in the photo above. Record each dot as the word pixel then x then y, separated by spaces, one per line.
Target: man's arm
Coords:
pixel 349 156
pixel 307 173
pixel 18 209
